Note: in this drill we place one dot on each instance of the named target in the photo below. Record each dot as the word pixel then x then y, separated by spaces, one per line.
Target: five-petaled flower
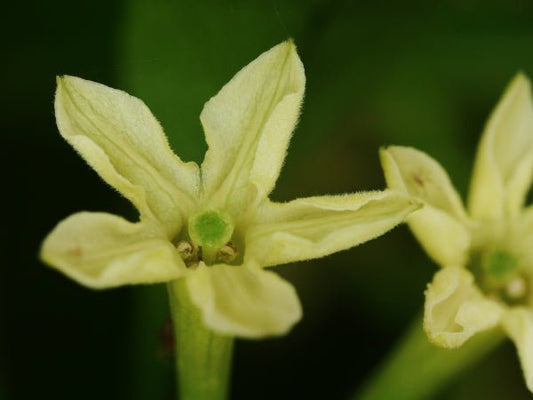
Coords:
pixel 486 254
pixel 213 225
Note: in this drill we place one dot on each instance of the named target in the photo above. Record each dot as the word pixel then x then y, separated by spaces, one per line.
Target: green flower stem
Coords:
pixel 416 369
pixel 203 357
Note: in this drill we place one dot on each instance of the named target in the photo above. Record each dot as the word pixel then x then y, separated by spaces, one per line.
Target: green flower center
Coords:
pixel 210 234
pixel 499 275
pixel 499 265
pixel 211 229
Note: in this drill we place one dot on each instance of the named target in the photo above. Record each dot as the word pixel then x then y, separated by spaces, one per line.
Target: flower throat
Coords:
pixel 210 233
pixel 499 276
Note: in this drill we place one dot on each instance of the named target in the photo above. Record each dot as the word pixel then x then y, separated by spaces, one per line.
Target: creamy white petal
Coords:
pixel 526 238
pixel 440 226
pixel 101 250
pixel 518 324
pixel 120 138
pixel 444 238
pixel 504 163
pixel 317 226
pixel 248 125
pixel 244 300
pixel 517 239
pixel 419 175
pixel 455 309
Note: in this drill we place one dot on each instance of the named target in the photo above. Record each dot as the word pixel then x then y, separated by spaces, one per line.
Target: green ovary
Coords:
pixel 211 229
pixel 499 265
pixel 500 276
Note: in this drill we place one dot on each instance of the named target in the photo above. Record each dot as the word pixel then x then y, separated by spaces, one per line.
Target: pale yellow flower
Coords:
pixel 211 225
pixel 486 253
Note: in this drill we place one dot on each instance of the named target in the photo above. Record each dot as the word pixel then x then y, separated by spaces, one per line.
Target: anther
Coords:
pixel 516 288
pixel 186 250
pixel 227 253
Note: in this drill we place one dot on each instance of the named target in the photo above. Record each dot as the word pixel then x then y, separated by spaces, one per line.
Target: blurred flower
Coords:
pixel 212 225
pixel 487 253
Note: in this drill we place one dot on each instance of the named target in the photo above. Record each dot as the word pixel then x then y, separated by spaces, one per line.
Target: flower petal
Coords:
pixel 518 323
pixel 455 309
pixel 440 226
pixel 120 138
pixel 518 237
pixel 443 238
pixel 248 125
pixel 504 163
pixel 244 300
pixel 416 173
pixel 101 250
pixel 317 226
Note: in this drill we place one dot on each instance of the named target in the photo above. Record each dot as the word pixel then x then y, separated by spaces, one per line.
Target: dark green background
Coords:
pixel 378 73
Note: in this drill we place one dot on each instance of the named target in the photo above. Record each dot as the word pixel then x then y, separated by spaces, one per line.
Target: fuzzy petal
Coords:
pixel 440 226
pixel 120 138
pixel 101 250
pixel 419 175
pixel 248 125
pixel 244 300
pixel 518 323
pixel 455 309
pixel 504 163
pixel 444 239
pixel 317 226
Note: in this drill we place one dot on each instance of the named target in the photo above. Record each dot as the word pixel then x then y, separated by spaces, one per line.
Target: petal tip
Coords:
pixel 521 79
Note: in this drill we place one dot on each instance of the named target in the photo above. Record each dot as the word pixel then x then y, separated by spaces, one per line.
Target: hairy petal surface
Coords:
pixel 317 226
pixel 248 125
pixel 504 163
pixel 101 250
pixel 244 300
pixel 444 239
pixel 518 324
pixel 455 309
pixel 120 138
pixel 416 173
pixel 441 225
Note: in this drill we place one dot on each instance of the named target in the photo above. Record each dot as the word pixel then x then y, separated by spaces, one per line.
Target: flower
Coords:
pixel 486 253
pixel 213 225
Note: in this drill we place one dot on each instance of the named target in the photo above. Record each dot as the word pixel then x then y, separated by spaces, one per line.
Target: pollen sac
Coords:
pixel 211 229
pixel 186 250
pixel 516 288
pixel 227 253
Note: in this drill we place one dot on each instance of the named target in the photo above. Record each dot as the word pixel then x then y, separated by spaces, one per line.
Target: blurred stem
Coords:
pixel 416 369
pixel 203 357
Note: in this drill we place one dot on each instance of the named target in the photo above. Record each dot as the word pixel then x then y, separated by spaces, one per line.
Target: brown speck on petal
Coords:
pixel 76 251
pixel 418 179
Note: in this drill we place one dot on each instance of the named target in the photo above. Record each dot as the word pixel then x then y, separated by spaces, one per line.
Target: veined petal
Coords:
pixel 317 226
pixel 244 300
pixel 455 309
pixel 120 138
pixel 518 323
pixel 101 250
pixel 440 226
pixel 248 125
pixel 504 163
